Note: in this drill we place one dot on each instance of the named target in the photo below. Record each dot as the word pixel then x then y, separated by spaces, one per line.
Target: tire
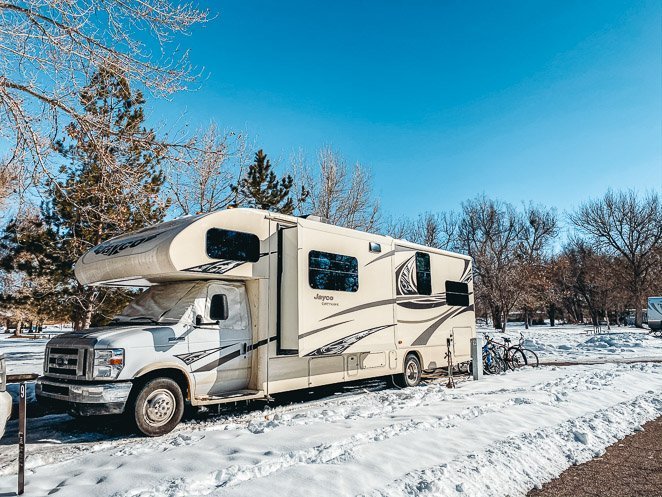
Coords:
pixel 411 375
pixel 531 358
pixel 158 407
pixel 493 365
pixel 516 358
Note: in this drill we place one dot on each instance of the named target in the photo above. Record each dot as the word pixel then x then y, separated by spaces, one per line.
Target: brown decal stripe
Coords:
pixel 383 256
pixel 236 353
pixel 339 346
pixel 260 343
pixel 196 356
pixel 312 332
pixel 424 337
pixel 361 307
pixel 219 362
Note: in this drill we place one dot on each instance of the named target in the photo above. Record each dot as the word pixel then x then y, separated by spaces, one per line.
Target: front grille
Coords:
pixel 66 362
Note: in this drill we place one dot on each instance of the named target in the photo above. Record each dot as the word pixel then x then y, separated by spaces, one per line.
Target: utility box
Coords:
pixel 477 357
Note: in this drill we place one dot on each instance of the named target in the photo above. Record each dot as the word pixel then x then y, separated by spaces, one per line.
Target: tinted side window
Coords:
pixel 423 277
pixel 327 271
pixel 457 293
pixel 233 245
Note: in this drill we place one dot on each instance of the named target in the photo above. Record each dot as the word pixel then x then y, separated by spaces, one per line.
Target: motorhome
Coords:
pixel 242 304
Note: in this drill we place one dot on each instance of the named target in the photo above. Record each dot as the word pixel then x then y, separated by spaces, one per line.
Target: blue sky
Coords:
pixel 547 101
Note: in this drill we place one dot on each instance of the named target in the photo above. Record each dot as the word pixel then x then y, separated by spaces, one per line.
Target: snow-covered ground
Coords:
pixel 500 436
pixel 578 343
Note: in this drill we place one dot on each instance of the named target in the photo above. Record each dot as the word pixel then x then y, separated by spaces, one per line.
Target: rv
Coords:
pixel 242 304
pixel 654 314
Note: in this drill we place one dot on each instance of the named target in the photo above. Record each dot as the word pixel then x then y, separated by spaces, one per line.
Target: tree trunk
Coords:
pixel 638 314
pixel 19 327
pixel 595 319
pixel 496 318
pixel 551 314
pixel 526 319
pixel 504 321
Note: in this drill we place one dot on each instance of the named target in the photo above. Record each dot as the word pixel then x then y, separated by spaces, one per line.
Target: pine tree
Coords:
pixel 109 186
pixel 262 189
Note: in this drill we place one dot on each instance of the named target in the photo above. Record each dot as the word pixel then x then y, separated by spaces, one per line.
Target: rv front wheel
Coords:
pixel 158 407
pixel 411 376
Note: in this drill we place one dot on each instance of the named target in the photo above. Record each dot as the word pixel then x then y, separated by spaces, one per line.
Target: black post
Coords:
pixel 22 404
pixel 449 355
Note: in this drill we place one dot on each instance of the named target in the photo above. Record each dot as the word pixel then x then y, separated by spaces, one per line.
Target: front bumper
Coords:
pixel 84 399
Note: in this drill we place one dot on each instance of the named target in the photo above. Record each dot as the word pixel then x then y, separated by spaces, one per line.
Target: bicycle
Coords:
pixel 515 356
pixel 493 362
pixel 530 356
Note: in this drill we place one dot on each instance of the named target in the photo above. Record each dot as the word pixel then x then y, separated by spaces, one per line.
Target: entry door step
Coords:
pixel 235 396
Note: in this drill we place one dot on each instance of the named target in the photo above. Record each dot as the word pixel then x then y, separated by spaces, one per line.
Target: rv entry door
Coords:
pixel 222 341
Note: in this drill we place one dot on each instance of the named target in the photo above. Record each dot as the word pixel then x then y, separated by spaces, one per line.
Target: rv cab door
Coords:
pixel 223 348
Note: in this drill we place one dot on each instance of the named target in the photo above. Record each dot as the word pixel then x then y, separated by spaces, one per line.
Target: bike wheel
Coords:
pixel 492 363
pixel 516 358
pixel 531 358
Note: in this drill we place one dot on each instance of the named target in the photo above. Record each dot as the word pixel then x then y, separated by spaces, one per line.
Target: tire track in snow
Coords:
pixel 382 403
pixel 544 454
pixel 343 450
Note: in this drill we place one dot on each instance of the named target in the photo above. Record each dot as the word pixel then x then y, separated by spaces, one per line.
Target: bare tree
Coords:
pixel 200 179
pixel 624 224
pixel 540 228
pixel 339 193
pixel 492 233
pixel 401 228
pixel 439 230
pixel 50 49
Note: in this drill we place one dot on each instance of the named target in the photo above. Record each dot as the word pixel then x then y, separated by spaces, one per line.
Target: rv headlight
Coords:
pixel 108 363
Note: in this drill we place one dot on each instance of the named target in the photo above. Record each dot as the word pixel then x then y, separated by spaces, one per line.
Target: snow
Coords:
pixel 579 344
pixel 500 436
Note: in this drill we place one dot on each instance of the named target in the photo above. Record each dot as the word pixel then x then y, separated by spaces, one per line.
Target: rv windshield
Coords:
pixel 159 304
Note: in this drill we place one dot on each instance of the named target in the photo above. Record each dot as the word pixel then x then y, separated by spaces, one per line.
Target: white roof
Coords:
pixel 176 250
pixel 171 251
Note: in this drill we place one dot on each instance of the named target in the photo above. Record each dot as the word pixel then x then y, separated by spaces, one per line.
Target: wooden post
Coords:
pixel 22 405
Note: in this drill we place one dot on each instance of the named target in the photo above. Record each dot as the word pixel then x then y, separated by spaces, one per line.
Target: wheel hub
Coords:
pixel 159 407
pixel 412 371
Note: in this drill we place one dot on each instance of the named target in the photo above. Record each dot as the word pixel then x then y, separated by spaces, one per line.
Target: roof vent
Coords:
pixel 319 219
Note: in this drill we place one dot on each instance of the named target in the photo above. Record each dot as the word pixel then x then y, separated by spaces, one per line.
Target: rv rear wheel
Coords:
pixel 412 372
pixel 158 407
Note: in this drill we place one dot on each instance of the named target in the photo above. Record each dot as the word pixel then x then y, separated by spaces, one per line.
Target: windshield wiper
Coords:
pixel 119 322
pixel 144 318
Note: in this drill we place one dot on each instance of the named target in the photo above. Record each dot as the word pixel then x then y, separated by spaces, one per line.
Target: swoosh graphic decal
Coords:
pixel 191 357
pixel 424 337
pixel 361 307
pixel 404 276
pixel 312 332
pixel 339 346
pixel 236 353
pixel 218 362
pixel 383 256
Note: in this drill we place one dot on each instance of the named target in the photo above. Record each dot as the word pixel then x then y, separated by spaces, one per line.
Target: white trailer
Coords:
pixel 654 313
pixel 242 304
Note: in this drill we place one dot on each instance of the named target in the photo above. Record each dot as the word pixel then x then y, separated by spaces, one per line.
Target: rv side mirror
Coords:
pixel 218 307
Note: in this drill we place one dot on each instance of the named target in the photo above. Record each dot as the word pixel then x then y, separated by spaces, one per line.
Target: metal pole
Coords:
pixel 22 405
pixel 477 357
pixel 451 382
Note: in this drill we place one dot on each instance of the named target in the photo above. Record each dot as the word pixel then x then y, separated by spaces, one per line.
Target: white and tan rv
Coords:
pixel 242 304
